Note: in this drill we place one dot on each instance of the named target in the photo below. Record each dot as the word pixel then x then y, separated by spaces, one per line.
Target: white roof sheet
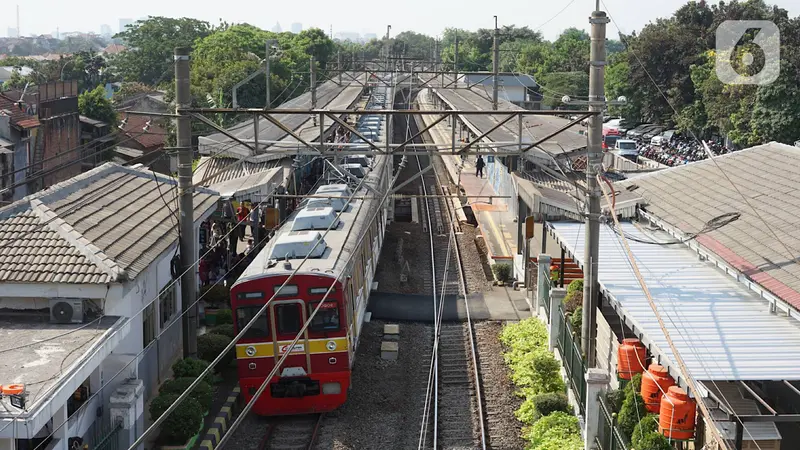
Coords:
pixel 722 330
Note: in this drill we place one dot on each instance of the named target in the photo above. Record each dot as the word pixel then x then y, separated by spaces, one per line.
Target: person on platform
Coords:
pixel 242 214
pixel 479 164
pixel 554 275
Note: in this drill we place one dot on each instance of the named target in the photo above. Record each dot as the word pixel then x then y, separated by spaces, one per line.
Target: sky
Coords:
pixel 423 16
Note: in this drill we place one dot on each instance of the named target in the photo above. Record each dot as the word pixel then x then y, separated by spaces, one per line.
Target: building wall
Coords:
pixel 61 134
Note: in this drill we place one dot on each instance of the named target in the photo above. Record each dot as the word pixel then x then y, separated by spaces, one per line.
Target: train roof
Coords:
pixel 306 226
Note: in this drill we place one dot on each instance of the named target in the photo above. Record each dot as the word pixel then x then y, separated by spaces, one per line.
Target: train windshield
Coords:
pixel 288 318
pixel 260 328
pixel 327 318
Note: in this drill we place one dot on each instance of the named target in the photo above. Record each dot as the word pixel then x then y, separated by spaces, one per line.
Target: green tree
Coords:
pixel 94 105
pixel 151 43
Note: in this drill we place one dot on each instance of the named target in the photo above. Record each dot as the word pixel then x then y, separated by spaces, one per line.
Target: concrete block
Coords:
pixel 391 328
pixel 391 337
pixel 389 350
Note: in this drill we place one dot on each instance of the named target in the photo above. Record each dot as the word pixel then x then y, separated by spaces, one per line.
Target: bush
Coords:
pixel 558 431
pixel 576 320
pixel 190 368
pixel 502 272
pixel 209 346
pixel 224 330
pixel 225 316
pixel 629 415
pixel 647 425
pixel 573 301
pixel 635 384
pixel 202 392
pixel 216 295
pixel 549 403
pixel 524 336
pixel 537 372
pixel 615 399
pixel 181 424
pixel 575 286
pixel 654 441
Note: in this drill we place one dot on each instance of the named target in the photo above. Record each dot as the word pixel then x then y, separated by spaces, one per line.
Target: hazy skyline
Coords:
pixel 421 16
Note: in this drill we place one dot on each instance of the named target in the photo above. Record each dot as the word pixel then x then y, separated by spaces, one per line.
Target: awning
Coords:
pixel 244 187
pixel 6 147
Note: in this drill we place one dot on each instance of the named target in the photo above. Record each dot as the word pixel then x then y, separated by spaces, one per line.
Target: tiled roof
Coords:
pixel 18 115
pixel 154 137
pixel 105 225
pixel 215 168
pixel 686 197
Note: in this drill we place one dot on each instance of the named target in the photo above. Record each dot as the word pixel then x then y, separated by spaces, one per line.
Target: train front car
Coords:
pixel 316 374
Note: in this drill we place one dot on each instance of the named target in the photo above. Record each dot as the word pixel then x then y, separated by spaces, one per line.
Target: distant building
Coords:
pixel 124 23
pixel 297 27
pixel 105 31
pixel 6 72
pixel 12 32
pixel 348 36
pixel 277 28
pixel 370 36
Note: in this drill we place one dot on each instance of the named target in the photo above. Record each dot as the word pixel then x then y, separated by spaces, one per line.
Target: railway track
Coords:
pixel 454 410
pixel 292 433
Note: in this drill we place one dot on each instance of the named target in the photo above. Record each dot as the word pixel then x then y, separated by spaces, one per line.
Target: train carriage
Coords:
pixel 315 377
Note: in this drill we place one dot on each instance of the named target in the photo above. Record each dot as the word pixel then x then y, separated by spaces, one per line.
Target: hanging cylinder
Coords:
pixel 655 382
pixel 631 358
pixel 676 417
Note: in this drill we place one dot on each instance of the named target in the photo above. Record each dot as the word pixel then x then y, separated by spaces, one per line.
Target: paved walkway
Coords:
pixel 497 225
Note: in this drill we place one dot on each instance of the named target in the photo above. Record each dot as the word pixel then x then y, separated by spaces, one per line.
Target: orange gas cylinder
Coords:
pixel 631 358
pixel 676 417
pixel 655 382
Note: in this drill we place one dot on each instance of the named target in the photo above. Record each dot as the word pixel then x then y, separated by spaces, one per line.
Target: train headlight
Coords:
pixel 250 350
pixel 331 345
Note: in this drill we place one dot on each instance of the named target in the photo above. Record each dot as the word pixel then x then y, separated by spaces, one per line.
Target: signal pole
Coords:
pixel 455 64
pixel 267 71
pixel 186 207
pixel 495 64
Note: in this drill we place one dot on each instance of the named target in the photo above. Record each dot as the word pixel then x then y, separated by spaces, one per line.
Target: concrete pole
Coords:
pixel 313 69
pixel 186 207
pixel 339 65
pixel 268 102
pixel 596 383
pixel 495 64
pixel 455 64
pixel 542 281
pixel 595 154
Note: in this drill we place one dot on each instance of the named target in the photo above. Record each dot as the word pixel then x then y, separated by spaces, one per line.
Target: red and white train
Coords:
pixel 315 377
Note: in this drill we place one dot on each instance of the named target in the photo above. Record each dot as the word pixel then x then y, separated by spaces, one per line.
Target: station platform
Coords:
pixel 497 224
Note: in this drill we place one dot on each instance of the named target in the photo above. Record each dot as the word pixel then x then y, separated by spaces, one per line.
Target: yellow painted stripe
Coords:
pixel 214 432
pixel 206 444
pixel 266 349
pixel 222 423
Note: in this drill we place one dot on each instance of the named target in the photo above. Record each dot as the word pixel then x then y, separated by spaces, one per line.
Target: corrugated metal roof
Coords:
pixel 534 126
pixel 105 225
pixel 686 197
pixel 722 330
pixel 221 169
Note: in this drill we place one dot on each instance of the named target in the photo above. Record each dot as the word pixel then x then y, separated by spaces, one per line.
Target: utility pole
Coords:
pixel 455 64
pixel 186 207
pixel 594 159
pixel 267 69
pixel 313 70
pixel 339 65
pixel 495 64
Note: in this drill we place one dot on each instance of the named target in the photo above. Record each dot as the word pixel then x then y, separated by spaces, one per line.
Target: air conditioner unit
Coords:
pixel 66 310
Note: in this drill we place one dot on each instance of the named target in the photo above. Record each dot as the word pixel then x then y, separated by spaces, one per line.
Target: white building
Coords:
pixel 517 89
pixel 297 27
pixel 86 283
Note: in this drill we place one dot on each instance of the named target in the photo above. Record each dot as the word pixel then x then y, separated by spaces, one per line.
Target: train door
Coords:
pixel 352 337
pixel 287 319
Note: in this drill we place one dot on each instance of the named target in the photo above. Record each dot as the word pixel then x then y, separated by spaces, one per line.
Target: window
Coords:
pixel 260 328
pixel 327 318
pixel 168 302
pixel 288 318
pixel 320 291
pixel 149 321
pixel 286 291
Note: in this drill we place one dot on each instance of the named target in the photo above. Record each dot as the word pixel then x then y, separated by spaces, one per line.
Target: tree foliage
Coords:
pixel 151 44
pixel 94 105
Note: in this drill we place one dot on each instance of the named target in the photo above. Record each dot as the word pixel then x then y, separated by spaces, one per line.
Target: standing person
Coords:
pixel 241 216
pixel 479 166
pixel 255 220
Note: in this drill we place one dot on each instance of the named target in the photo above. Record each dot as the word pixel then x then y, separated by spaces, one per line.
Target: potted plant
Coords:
pixel 215 297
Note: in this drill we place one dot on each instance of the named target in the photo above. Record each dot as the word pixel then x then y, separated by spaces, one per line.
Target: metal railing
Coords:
pixel 608 436
pixel 106 436
pixel 572 358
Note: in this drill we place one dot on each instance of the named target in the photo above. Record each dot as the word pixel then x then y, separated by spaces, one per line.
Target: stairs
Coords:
pixel 571 269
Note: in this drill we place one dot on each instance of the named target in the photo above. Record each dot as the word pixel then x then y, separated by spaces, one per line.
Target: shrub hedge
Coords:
pixel 630 414
pixel 191 368
pixel 209 346
pixel 575 286
pixel 224 316
pixel 536 373
pixel 181 424
pixel 202 393
pixel 502 271
pixel 224 330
